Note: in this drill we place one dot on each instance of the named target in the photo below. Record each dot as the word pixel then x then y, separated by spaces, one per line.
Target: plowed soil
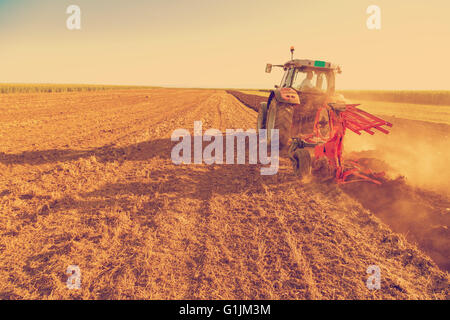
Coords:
pixel 86 179
pixel 250 100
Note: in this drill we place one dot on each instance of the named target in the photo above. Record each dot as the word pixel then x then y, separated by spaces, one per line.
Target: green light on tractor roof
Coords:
pixel 319 64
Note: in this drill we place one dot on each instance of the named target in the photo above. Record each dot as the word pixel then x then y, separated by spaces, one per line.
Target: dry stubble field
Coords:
pixel 86 179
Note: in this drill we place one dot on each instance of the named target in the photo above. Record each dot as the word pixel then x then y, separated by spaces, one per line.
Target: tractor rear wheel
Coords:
pixel 262 116
pixel 280 117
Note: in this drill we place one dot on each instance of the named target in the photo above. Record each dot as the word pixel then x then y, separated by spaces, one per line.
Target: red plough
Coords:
pixel 342 117
pixel 358 120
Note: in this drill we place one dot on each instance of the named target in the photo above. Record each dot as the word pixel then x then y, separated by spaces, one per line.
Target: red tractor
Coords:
pixel 312 120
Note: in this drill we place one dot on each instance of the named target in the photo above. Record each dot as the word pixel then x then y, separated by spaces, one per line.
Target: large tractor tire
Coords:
pixel 262 116
pixel 280 117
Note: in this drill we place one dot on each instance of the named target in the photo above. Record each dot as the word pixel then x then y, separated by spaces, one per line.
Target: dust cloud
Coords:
pixel 414 198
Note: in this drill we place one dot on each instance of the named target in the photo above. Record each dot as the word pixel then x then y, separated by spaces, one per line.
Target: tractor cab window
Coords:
pixel 322 81
pixel 287 78
pixel 310 81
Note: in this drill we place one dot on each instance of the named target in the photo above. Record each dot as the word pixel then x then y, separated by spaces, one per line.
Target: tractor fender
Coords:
pixel 285 95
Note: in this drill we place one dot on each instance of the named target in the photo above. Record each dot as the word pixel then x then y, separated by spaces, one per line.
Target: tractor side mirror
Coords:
pixel 268 68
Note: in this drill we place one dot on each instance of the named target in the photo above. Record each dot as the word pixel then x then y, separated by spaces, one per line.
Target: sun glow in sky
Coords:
pixel 224 43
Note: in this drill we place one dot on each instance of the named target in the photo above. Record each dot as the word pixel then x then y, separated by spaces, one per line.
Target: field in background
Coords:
pixel 30 88
pixel 256 92
pixel 431 97
pixel 409 111
pixel 432 106
pixel 439 98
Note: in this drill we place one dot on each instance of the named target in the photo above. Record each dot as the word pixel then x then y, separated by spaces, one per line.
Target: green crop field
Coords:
pixel 432 106
pixel 431 97
pixel 35 88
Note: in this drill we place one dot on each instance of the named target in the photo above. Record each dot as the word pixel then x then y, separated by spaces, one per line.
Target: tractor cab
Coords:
pixel 308 76
pixel 305 87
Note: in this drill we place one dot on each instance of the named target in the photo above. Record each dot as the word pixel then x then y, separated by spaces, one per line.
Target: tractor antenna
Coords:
pixel 292 52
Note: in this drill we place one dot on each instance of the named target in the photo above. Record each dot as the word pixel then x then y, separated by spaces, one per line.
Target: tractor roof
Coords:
pixel 315 64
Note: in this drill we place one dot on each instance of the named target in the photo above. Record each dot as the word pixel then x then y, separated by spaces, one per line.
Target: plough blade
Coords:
pixel 358 120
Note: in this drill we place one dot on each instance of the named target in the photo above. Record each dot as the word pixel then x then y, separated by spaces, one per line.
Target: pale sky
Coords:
pixel 224 43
